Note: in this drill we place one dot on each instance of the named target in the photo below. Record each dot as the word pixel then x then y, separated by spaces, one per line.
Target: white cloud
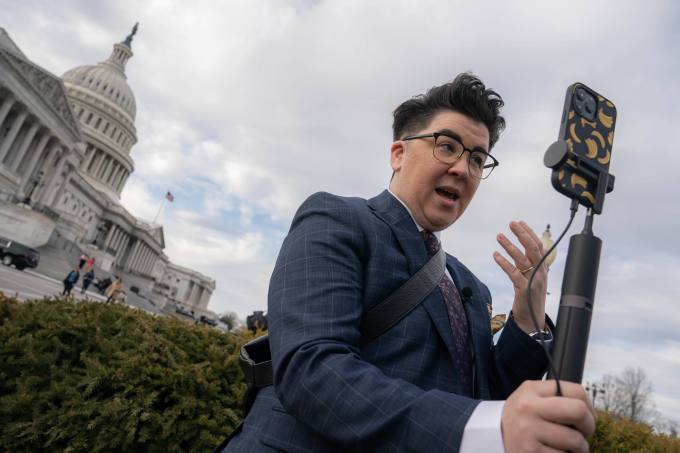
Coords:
pixel 246 108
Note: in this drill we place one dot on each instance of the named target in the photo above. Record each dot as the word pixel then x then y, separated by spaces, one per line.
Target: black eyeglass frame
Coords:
pixel 494 162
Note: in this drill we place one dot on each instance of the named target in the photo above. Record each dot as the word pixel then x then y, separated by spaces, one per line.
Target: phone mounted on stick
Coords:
pixel 580 160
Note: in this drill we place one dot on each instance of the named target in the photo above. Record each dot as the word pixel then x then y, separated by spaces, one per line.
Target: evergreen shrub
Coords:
pixel 621 435
pixel 92 377
pixel 96 377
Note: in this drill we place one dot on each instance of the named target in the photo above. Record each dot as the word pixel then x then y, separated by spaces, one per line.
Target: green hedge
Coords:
pixel 620 435
pixel 94 377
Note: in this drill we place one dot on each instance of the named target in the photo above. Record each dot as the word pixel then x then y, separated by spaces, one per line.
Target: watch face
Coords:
pixel 544 336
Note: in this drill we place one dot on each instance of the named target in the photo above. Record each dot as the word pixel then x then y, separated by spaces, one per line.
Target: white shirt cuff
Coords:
pixel 483 429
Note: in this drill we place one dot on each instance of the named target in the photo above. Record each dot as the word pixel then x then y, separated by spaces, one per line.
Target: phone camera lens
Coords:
pixel 580 95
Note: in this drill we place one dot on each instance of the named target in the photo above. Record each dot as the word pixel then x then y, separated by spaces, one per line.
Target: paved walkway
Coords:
pixel 28 284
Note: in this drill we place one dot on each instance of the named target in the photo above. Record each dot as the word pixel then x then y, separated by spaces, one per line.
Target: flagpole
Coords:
pixel 160 208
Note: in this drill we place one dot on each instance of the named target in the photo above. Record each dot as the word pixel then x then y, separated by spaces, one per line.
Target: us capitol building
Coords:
pixel 64 160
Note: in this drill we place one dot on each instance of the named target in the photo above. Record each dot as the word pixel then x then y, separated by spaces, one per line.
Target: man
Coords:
pixel 87 280
pixel 425 384
pixel 70 281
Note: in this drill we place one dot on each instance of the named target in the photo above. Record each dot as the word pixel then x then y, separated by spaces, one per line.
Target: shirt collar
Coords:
pixel 437 234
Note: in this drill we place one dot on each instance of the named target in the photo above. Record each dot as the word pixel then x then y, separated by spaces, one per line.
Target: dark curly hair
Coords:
pixel 466 94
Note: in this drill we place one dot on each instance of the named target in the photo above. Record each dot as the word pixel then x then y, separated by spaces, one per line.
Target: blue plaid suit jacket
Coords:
pixel 398 393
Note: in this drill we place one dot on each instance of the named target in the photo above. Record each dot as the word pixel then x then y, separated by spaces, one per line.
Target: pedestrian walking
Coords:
pixel 70 281
pixel 87 280
pixel 114 290
pixel 90 264
pixel 83 259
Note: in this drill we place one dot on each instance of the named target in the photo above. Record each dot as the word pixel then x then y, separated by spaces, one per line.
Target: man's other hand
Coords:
pixel 535 420
pixel 519 272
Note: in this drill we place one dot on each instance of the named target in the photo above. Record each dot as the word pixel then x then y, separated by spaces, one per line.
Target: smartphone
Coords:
pixel 587 127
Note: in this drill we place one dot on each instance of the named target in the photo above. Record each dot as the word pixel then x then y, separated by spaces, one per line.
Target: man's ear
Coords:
pixel 397 151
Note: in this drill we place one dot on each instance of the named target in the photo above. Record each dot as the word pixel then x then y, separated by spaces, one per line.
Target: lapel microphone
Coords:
pixel 466 292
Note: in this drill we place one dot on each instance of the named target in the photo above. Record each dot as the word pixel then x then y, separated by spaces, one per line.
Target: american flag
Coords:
pixel 170 197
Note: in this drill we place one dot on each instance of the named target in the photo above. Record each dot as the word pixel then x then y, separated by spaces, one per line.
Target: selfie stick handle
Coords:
pixel 576 304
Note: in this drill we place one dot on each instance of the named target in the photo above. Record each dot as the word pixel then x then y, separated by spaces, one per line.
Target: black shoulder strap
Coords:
pixel 255 356
pixel 382 316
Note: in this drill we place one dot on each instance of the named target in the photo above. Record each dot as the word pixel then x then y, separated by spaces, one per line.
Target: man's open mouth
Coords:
pixel 450 194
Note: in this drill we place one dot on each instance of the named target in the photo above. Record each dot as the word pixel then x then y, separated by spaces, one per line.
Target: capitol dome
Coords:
pixel 105 106
pixel 106 79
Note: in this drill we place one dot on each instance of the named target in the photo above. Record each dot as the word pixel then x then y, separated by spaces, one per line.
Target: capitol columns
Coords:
pixel 142 258
pixel 12 134
pixel 90 156
pixel 20 154
pixel 109 235
pixel 119 180
pixel 131 256
pixel 105 171
pixel 100 161
pixel 37 152
pixel 72 164
pixel 115 240
pixel 152 264
pixel 6 107
pixel 145 260
pixel 49 191
pixel 138 256
pixel 121 242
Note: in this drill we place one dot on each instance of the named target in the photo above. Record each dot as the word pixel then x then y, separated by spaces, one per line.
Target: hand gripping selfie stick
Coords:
pixel 580 273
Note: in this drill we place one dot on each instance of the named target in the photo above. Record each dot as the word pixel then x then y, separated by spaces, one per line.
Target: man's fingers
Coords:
pixel 561 438
pixel 569 390
pixel 569 411
pixel 549 388
pixel 533 234
pixel 511 271
pixel 523 233
pixel 521 261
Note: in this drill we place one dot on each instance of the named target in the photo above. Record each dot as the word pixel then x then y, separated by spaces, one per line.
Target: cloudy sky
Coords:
pixel 245 108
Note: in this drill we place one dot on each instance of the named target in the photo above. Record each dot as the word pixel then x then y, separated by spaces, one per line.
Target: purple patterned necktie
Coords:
pixel 457 317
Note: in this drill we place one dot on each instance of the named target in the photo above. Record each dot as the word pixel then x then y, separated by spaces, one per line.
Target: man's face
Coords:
pixel 435 192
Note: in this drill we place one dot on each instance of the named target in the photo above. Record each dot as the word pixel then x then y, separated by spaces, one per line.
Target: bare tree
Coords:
pixel 610 399
pixel 637 394
pixel 231 319
pixel 628 395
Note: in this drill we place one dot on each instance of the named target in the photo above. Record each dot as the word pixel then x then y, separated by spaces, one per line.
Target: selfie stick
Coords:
pixel 580 273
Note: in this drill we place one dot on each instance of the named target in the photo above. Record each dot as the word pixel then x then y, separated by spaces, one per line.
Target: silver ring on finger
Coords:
pixel 526 270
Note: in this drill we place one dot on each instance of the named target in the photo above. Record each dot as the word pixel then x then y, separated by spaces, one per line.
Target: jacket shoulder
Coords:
pixel 331 200
pixel 345 209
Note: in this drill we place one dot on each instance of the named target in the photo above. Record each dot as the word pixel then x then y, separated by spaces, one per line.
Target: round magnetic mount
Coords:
pixel 555 154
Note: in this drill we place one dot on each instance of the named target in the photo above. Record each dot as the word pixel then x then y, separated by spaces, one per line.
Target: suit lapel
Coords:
pixel 393 213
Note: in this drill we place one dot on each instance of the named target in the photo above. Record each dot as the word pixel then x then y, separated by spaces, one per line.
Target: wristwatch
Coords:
pixel 542 335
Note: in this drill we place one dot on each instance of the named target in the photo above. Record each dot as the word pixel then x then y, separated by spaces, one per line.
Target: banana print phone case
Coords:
pixel 588 130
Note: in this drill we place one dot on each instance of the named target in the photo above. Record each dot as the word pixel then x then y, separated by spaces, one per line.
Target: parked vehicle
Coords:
pixel 209 321
pixel 18 254
pixel 183 311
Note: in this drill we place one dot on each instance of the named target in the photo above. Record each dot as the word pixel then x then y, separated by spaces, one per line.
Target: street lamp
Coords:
pixel 547 242
pixel 595 389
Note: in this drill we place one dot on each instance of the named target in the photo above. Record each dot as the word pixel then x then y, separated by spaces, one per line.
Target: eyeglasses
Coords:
pixel 449 149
